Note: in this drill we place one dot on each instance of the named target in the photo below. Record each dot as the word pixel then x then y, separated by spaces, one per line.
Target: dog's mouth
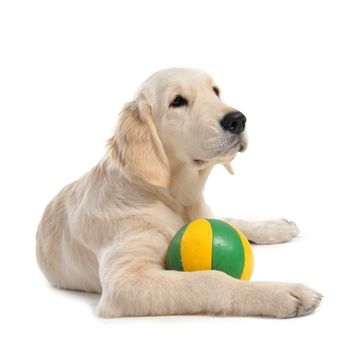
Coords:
pixel 236 147
pixel 243 146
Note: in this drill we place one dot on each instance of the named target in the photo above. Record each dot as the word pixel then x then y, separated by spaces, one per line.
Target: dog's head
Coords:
pixel 177 116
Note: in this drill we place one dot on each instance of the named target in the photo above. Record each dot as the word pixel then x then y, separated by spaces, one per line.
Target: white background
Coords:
pixel 66 69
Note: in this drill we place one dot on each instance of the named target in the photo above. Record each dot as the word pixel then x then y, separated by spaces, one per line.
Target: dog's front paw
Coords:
pixel 286 300
pixel 273 231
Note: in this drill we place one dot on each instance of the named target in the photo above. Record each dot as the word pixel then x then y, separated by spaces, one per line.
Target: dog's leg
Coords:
pixel 259 232
pixel 135 283
pixel 266 232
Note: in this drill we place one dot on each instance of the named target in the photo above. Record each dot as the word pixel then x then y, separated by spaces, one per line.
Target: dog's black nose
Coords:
pixel 234 122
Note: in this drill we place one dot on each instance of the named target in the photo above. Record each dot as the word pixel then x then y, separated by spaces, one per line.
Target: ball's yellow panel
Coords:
pixel 248 256
pixel 196 246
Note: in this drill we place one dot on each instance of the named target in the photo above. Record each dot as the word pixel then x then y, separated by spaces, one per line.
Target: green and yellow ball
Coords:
pixel 210 244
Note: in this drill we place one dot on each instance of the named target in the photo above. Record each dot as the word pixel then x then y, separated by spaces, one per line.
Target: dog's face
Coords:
pixel 177 116
pixel 193 123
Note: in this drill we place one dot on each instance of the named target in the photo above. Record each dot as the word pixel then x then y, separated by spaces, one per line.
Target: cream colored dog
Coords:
pixel 109 231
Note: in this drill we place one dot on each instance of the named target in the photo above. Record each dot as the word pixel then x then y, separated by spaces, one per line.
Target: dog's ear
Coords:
pixel 137 147
pixel 228 167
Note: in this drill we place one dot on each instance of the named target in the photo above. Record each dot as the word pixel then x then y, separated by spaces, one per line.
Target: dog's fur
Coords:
pixel 109 231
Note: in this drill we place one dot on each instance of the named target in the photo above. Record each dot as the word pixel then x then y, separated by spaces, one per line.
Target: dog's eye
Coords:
pixel 216 91
pixel 178 102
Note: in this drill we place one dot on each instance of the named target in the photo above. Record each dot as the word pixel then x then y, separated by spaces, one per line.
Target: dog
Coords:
pixel 109 231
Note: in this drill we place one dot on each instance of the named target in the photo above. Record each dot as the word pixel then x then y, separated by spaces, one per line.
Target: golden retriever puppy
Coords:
pixel 109 231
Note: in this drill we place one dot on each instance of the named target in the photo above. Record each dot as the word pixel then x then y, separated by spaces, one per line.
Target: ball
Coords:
pixel 210 244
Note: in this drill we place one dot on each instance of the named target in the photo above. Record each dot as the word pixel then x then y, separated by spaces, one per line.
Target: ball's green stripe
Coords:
pixel 226 245
pixel 173 258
